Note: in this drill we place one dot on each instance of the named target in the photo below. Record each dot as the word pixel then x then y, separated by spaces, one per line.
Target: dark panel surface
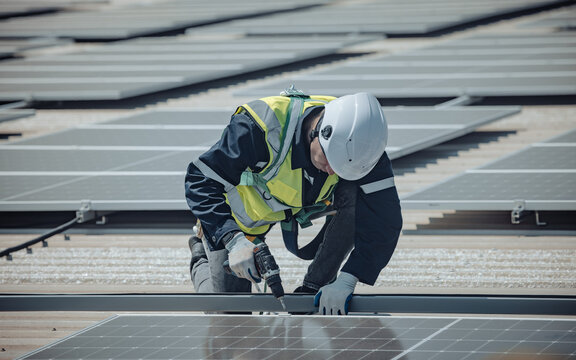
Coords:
pixel 93 160
pixel 568 137
pixel 394 17
pixel 133 68
pixel 313 337
pixel 12 114
pixel 473 189
pixel 539 177
pixel 10 8
pixel 128 137
pixel 12 47
pixel 483 66
pixel 561 157
pixel 565 19
pixel 139 162
pixel 139 19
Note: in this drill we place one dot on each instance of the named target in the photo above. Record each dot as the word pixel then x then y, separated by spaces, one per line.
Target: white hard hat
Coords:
pixel 353 135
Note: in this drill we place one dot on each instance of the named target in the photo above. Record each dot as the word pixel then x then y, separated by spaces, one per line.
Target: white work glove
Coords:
pixel 333 299
pixel 241 258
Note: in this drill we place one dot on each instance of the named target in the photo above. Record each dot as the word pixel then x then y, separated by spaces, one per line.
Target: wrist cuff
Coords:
pixel 348 279
pixel 230 238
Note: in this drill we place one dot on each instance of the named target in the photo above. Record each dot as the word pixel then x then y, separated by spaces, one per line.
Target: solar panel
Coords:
pixel 125 137
pixel 140 19
pixel 139 162
pixel 398 18
pixel 84 161
pixel 565 19
pixel 539 177
pixel 416 128
pixel 12 114
pixel 316 337
pixel 24 8
pixel 132 68
pixel 482 66
pixel 11 47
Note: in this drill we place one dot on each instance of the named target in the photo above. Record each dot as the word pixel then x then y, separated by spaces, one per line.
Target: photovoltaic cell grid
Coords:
pixel 483 66
pixel 539 177
pixel 316 337
pixel 140 19
pixel 139 162
pixel 394 17
pixel 137 67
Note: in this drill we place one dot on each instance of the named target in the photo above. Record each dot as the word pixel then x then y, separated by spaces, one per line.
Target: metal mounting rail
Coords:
pixel 455 304
pixel 84 214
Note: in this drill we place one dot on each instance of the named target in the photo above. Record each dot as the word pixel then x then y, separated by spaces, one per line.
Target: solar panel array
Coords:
pixel 316 337
pixel 396 17
pixel 126 69
pixel 482 66
pixel 140 19
pixel 138 163
pixel 539 177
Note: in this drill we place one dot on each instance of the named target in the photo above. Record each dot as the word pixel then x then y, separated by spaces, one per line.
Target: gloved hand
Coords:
pixel 241 257
pixel 333 299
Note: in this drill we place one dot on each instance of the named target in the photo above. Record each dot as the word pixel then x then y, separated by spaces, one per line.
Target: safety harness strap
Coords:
pixel 290 237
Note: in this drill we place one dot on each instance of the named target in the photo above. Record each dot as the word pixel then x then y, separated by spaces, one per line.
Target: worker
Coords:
pixel 288 159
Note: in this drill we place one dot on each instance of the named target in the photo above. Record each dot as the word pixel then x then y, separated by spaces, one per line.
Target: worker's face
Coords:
pixel 318 158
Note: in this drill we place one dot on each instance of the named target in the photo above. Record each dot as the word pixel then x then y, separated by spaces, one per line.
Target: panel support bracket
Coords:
pixel 518 212
pixel 538 222
pixel 85 213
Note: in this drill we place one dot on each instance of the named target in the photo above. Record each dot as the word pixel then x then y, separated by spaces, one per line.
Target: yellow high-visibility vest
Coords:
pixel 270 195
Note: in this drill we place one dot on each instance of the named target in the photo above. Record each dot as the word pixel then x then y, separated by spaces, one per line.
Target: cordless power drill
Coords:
pixel 267 269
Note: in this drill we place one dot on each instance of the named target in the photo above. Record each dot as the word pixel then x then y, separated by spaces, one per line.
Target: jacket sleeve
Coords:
pixel 378 223
pixel 241 146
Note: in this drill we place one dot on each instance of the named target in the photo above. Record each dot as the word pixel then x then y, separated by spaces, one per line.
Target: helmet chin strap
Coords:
pixel 316 131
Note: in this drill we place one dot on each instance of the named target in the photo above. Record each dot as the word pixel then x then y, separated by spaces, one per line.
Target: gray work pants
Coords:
pixel 210 277
pixel 338 240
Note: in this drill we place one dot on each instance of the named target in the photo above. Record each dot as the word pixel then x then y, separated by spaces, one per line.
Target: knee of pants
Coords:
pixel 221 280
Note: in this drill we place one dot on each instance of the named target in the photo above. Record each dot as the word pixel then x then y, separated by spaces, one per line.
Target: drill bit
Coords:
pixel 281 299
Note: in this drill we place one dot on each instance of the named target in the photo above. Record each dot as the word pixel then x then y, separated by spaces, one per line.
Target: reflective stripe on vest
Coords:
pixel 296 107
pixel 234 199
